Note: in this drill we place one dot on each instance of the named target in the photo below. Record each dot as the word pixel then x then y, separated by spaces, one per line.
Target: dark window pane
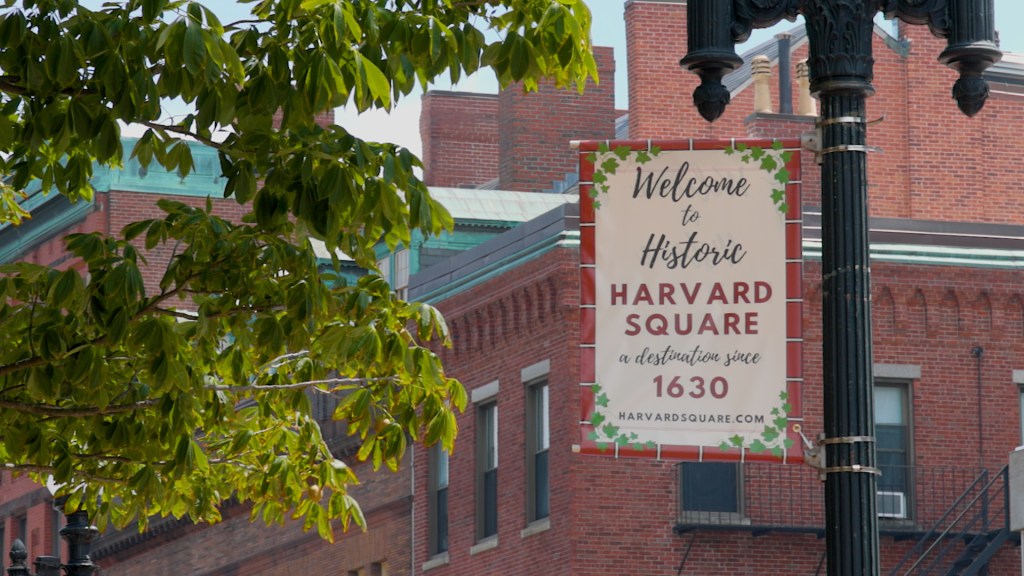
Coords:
pixel 894 479
pixel 710 487
pixel 891 437
pixel 540 474
pixel 442 520
pixel 490 503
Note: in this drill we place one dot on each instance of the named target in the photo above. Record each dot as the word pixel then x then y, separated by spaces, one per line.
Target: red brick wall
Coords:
pixel 616 516
pixel 238 547
pixel 660 91
pixel 127 207
pixel 460 138
pixel 537 127
pixel 51 252
pixel 527 316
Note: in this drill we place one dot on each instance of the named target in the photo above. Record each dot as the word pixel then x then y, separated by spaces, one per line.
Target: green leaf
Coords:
pixel 152 9
pixel 214 341
pixel 194 53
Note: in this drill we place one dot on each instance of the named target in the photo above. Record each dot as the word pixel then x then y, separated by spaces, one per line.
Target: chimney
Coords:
pixel 785 74
pixel 459 131
pixel 761 71
pixel 805 103
pixel 536 127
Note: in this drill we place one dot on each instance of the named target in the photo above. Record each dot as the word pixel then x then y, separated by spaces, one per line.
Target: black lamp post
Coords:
pixel 840 33
pixel 78 533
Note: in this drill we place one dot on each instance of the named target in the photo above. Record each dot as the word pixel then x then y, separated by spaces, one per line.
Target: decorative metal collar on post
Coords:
pixel 840 36
pixel 78 533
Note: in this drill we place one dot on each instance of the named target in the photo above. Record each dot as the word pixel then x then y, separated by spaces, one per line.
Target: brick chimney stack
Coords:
pixel 660 92
pixel 536 127
pixel 460 138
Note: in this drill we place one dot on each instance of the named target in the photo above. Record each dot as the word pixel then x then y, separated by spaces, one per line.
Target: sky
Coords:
pixel 401 125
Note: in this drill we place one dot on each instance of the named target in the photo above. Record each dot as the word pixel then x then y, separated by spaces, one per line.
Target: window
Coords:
pixel 379 569
pixel 710 491
pixel 395 269
pixel 438 503
pixel 538 439
pixel 1018 379
pixel 892 430
pixel 21 524
pixel 401 272
pixel 1021 412
pixel 487 470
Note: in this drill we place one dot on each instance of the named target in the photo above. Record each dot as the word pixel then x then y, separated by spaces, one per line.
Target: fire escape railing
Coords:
pixel 972 529
pixel 788 498
pixel 958 516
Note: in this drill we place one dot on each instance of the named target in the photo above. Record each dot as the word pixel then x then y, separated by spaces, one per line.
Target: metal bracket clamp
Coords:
pixel 849 148
pixel 840 120
pixel 846 440
pixel 814 454
pixel 849 120
pixel 851 468
pixel 811 140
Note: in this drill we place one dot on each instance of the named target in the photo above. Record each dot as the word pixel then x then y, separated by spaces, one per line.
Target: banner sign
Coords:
pixel 691 302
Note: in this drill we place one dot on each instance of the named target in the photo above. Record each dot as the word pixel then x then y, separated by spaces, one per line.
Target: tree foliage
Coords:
pixel 169 400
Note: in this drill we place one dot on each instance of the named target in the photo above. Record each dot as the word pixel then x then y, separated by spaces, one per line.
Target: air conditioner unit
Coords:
pixel 891 504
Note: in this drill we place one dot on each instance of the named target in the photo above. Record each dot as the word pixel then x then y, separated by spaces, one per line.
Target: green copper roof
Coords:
pixel 499 206
pixel 204 180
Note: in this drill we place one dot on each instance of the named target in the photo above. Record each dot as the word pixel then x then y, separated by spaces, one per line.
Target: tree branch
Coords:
pixel 284 358
pixel 237 23
pixel 178 314
pixel 8 85
pixel 50 470
pixel 182 131
pixel 76 411
pixel 337 382
pixel 34 361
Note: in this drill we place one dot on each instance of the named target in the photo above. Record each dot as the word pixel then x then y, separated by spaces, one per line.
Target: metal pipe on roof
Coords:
pixel 785 74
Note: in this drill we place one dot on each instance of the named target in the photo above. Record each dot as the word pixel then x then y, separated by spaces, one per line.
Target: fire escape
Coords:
pixel 948 521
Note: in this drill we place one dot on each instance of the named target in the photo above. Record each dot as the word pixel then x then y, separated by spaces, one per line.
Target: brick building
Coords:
pixel 948 348
pixel 515 497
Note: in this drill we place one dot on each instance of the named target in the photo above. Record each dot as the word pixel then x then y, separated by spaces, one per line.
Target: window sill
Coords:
pixel 536 527
pixel 435 561
pixel 717 518
pixel 896 522
pixel 484 545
